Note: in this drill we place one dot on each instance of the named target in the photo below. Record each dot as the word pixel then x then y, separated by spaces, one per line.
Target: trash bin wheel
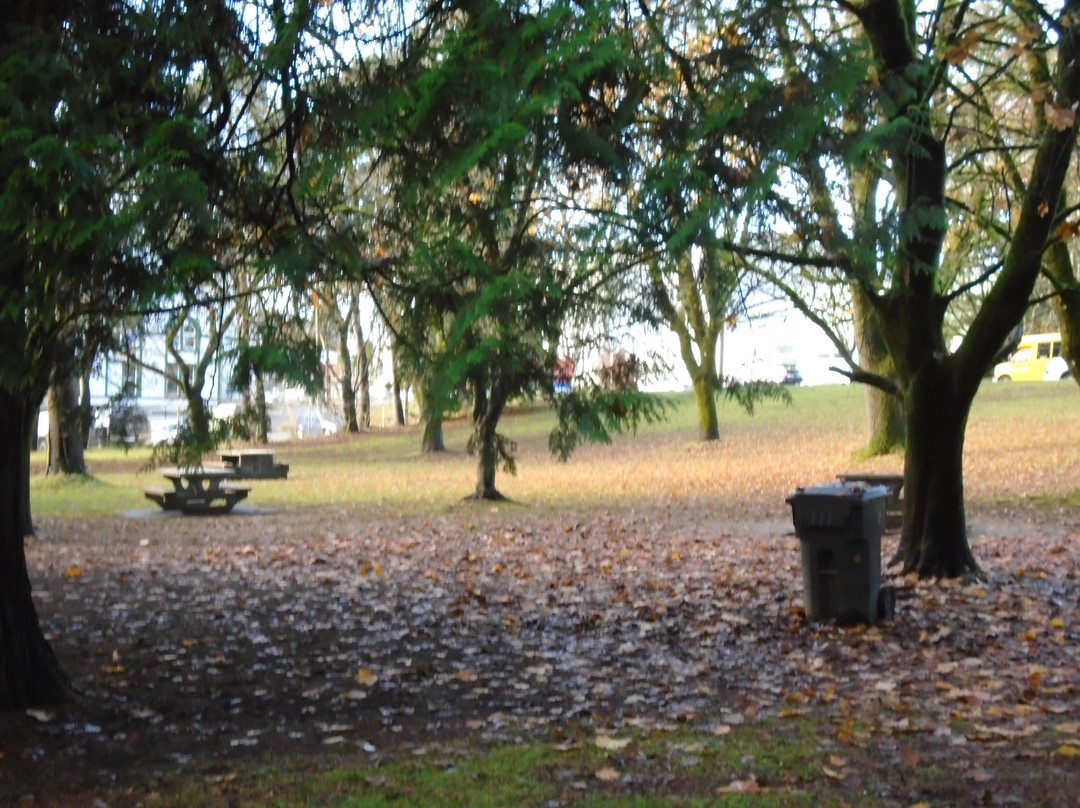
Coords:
pixel 886 602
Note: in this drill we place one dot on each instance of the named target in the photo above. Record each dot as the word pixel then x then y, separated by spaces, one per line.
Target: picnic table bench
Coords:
pixel 894 506
pixel 197 491
pixel 253 464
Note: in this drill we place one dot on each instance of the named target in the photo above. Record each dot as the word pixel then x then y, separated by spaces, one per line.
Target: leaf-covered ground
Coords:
pixel 337 633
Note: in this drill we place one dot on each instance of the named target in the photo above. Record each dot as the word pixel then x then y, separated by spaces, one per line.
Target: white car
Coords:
pixel 312 423
pixel 1056 368
pixel 163 430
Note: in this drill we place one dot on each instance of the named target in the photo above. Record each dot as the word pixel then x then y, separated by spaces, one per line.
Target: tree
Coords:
pixel 71 148
pixel 929 72
pixel 687 188
pixel 476 145
pixel 116 117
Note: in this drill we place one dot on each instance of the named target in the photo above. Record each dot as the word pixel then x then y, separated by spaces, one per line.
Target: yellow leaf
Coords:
pixel 73 572
pixel 1066 751
pixel 114 670
pixel 366 677
pixel 1057 622
pixel 607 742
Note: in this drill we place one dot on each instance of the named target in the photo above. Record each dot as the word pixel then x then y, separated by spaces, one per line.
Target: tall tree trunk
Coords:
pixel 29 443
pixel 262 424
pixel 86 411
pixel 487 410
pixel 884 411
pixel 431 424
pixel 30 675
pixel 345 368
pixel 399 410
pixel 66 454
pixel 933 540
pixel 1059 268
pixel 363 364
pixel 198 414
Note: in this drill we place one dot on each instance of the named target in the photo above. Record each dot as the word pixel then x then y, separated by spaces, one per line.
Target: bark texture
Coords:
pixel 29 673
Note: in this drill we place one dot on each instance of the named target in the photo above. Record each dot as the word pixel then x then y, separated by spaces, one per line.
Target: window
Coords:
pixel 1043 351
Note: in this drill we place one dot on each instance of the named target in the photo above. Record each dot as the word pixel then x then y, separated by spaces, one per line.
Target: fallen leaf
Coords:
pixel 740 787
pixel 73 572
pixel 607 775
pixel 1066 751
pixel 366 677
pixel 609 743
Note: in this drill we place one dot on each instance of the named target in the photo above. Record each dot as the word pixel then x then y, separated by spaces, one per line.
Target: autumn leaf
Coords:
pixel 73 572
pixel 607 775
pixel 611 744
pixel 1066 751
pixel 366 677
pixel 1061 118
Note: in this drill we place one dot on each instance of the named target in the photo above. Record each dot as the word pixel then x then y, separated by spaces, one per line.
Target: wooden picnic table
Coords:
pixel 253 463
pixel 198 490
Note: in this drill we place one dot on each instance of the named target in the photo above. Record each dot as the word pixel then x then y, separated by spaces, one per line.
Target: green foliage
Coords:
pixel 279 350
pixel 593 415
pixel 749 394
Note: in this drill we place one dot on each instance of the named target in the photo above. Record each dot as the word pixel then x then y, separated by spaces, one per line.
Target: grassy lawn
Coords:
pixel 1013 428
pixel 625 632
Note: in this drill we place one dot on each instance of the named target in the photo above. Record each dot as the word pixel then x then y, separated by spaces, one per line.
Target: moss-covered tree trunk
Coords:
pixel 66 454
pixel 1061 271
pixel 705 399
pixel 886 428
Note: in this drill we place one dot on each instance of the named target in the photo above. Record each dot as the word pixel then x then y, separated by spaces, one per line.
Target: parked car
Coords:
pixel 1057 368
pixel 164 430
pixel 122 421
pixel 1028 363
pixel 792 376
pixel 312 423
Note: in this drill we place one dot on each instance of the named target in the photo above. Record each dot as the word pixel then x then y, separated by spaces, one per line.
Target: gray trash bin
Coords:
pixel 839 526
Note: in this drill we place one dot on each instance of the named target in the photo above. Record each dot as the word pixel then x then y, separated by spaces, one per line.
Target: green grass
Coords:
pixel 384 470
pixel 684 768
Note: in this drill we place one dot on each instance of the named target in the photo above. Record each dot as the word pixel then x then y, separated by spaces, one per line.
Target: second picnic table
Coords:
pixel 198 490
pixel 253 463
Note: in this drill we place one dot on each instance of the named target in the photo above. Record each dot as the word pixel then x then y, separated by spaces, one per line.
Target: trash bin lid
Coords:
pixel 854 492
pixel 831 505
